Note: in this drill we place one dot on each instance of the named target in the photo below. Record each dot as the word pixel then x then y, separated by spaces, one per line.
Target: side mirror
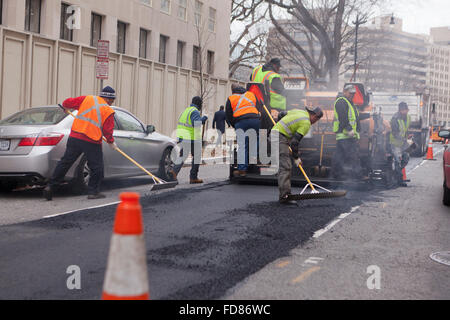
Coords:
pixel 151 129
pixel 444 134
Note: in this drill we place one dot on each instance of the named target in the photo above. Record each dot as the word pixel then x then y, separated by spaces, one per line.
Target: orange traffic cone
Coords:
pixel 404 174
pixel 430 155
pixel 126 273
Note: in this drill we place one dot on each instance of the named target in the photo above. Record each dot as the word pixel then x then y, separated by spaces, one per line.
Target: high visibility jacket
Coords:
pixel 186 129
pixel 352 116
pixel 296 121
pixel 404 127
pixel 91 116
pixel 277 101
pixel 243 104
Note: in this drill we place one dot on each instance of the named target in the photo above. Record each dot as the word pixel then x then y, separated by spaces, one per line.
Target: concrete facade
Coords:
pixel 41 69
pixel 137 14
pixel 439 73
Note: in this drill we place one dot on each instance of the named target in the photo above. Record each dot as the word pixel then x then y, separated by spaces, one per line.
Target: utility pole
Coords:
pixel 359 21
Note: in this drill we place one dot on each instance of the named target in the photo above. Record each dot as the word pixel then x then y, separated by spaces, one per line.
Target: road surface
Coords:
pixel 223 241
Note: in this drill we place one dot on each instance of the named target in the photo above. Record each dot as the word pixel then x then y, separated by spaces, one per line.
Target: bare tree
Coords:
pixel 326 24
pixel 203 59
pixel 248 41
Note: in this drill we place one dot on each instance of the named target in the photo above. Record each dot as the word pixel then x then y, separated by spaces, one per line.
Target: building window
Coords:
pixel 198 13
pixel 65 32
pixel 1 11
pixel 96 29
pixel 180 53
pixel 143 43
pixel 212 19
pixel 182 9
pixel 163 40
pixel 210 62
pixel 121 36
pixel 33 15
pixel 165 6
pixel 196 59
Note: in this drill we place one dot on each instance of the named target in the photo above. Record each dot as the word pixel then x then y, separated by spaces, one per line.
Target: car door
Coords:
pixel 133 139
pixel 115 163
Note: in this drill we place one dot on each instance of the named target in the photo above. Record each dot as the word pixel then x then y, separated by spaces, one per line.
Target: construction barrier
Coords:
pixel 126 273
pixel 430 155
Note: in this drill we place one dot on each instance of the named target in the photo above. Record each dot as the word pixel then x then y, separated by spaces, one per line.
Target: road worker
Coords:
pixel 190 138
pixel 400 124
pixel 269 75
pixel 242 112
pixel 347 127
pixel 289 132
pixel 86 138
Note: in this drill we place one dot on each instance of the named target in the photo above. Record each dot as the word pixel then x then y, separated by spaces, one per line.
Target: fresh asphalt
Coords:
pixel 207 242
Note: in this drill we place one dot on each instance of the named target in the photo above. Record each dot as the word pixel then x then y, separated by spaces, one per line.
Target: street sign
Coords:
pixel 103 49
pixel 102 66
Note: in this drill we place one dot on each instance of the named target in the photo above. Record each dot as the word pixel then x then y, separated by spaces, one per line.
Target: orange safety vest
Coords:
pixel 243 104
pixel 91 116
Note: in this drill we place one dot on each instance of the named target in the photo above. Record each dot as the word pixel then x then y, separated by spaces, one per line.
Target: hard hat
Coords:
pixel 317 111
pixel 350 88
pixel 276 61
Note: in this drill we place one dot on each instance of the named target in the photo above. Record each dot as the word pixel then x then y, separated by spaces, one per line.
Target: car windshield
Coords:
pixel 35 116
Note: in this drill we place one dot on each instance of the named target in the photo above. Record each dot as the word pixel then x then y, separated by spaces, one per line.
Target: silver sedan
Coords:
pixel 34 140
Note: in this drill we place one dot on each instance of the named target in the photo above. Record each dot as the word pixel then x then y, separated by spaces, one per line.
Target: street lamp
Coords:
pixel 359 21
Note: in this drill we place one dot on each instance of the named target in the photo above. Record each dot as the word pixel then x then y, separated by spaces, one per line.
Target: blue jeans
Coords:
pixel 243 132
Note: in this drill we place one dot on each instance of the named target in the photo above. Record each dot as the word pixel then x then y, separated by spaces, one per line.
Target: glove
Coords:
pixel 351 134
pixel 113 145
pixel 298 162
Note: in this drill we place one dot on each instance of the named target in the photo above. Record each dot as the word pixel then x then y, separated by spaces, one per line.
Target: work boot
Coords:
pixel 240 174
pixel 48 193
pixel 173 175
pixel 285 201
pixel 96 196
pixel 196 181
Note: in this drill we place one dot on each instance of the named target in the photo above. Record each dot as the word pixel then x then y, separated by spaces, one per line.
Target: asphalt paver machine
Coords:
pixel 318 147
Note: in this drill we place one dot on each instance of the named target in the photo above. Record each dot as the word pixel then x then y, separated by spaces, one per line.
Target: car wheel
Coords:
pixel 166 165
pixel 82 176
pixel 446 195
pixel 8 186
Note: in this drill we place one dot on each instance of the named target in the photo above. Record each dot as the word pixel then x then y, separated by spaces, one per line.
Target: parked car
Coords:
pixel 34 140
pixel 445 134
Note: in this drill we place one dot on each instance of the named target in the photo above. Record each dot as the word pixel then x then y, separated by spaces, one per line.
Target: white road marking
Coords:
pixel 425 161
pixel 312 260
pixel 82 209
pixel 319 233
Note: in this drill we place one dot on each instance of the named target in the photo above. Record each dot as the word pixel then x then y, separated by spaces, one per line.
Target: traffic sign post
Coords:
pixel 102 66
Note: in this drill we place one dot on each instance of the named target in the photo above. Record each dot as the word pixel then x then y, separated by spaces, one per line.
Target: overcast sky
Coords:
pixel 421 15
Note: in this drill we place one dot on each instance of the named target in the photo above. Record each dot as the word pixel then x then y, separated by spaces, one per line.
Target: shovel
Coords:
pixel 314 194
pixel 159 184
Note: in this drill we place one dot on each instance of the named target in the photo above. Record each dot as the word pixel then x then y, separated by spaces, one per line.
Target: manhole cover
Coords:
pixel 441 257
